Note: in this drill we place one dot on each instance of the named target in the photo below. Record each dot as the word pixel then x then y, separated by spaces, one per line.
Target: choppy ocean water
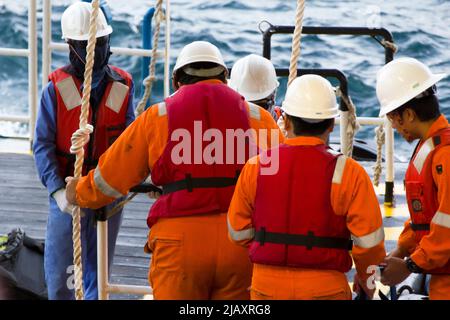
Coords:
pixel 420 29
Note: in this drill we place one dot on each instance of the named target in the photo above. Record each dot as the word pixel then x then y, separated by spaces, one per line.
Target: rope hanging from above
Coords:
pixel 296 40
pixel 159 16
pixel 79 140
pixel 352 125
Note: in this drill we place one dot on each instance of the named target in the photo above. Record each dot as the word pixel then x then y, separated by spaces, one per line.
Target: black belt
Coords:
pixel 190 183
pixel 420 227
pixel 309 241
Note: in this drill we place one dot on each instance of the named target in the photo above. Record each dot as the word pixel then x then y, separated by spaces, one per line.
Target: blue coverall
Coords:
pixel 58 258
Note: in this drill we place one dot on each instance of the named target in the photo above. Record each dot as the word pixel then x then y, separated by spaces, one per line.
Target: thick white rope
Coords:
pixel 377 169
pixel 352 125
pixel 159 16
pixel 296 40
pixel 79 139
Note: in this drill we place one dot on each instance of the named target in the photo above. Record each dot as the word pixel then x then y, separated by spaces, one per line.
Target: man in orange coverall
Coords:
pixel 299 231
pixel 407 94
pixel 192 256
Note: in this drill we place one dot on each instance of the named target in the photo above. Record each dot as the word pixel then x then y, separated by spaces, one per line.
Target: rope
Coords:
pixel 79 139
pixel 159 16
pixel 296 40
pixel 352 125
pixel 377 169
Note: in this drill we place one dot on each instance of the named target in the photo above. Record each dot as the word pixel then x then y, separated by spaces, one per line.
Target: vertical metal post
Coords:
pixel 146 43
pixel 389 184
pixel 46 39
pixel 102 260
pixel 167 53
pixel 32 67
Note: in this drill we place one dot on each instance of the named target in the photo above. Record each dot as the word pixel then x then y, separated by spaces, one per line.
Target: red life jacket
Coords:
pixel 421 191
pixel 295 224
pixel 108 119
pixel 195 187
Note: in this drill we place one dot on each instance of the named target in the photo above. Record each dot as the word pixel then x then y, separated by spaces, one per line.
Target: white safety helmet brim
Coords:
pixel 435 78
pixel 85 37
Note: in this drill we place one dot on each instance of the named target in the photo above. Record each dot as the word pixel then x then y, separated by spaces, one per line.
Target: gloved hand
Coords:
pixel 61 201
pixel 280 123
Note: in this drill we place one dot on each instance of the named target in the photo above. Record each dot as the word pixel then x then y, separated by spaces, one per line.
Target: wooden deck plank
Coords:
pixel 24 203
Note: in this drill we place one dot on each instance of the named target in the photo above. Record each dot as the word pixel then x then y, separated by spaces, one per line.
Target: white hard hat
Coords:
pixel 75 22
pixel 199 51
pixel 311 97
pixel 401 80
pixel 254 77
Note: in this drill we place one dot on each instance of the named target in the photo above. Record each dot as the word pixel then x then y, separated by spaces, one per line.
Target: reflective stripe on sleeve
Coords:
pixel 441 219
pixel 245 234
pixel 255 113
pixel 339 169
pixel 162 109
pixel 370 240
pixel 104 187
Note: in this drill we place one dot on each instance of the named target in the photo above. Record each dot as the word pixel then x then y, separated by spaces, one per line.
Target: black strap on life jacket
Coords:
pixel 309 241
pixel 420 227
pixel 190 183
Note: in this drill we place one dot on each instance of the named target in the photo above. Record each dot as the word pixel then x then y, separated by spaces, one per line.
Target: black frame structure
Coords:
pixel 375 33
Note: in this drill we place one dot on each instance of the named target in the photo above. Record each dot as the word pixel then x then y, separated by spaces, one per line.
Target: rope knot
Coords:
pixel 80 138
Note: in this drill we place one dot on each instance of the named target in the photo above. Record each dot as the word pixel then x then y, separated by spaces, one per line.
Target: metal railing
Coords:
pixel 343 121
pixel 31 54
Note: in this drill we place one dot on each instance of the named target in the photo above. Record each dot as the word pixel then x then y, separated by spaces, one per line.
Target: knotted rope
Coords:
pixel 352 125
pixel 377 169
pixel 79 139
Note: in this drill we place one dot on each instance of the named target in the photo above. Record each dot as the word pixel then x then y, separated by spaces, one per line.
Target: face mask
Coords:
pixel 78 54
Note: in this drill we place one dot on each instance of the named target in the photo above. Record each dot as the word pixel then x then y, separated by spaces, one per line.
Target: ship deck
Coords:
pixel 24 204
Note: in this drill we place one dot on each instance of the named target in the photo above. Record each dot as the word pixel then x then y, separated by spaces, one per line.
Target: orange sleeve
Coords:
pixel 433 250
pixel 126 163
pixel 355 198
pixel 269 134
pixel 240 228
pixel 407 239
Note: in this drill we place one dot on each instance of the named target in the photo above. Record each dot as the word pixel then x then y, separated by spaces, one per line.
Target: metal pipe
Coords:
pixel 167 53
pixel 121 288
pixel 116 50
pixel 32 68
pixel 46 40
pixel 365 121
pixel 11 118
pixel 102 260
pixel 356 31
pixel 146 42
pixel 389 182
pixel 12 52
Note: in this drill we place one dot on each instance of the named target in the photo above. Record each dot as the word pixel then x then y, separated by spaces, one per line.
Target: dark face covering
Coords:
pixel 78 58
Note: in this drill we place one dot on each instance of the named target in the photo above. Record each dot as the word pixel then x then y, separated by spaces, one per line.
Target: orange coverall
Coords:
pixel 184 264
pixel 354 197
pixel 433 251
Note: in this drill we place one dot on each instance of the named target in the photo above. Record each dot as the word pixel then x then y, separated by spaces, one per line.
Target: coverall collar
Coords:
pixel 439 124
pixel 304 141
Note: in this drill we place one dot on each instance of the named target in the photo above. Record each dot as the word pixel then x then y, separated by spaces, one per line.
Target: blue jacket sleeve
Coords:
pixel 130 111
pixel 44 144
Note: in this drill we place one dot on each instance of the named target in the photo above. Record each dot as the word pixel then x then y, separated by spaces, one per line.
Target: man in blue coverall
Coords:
pixel 111 111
